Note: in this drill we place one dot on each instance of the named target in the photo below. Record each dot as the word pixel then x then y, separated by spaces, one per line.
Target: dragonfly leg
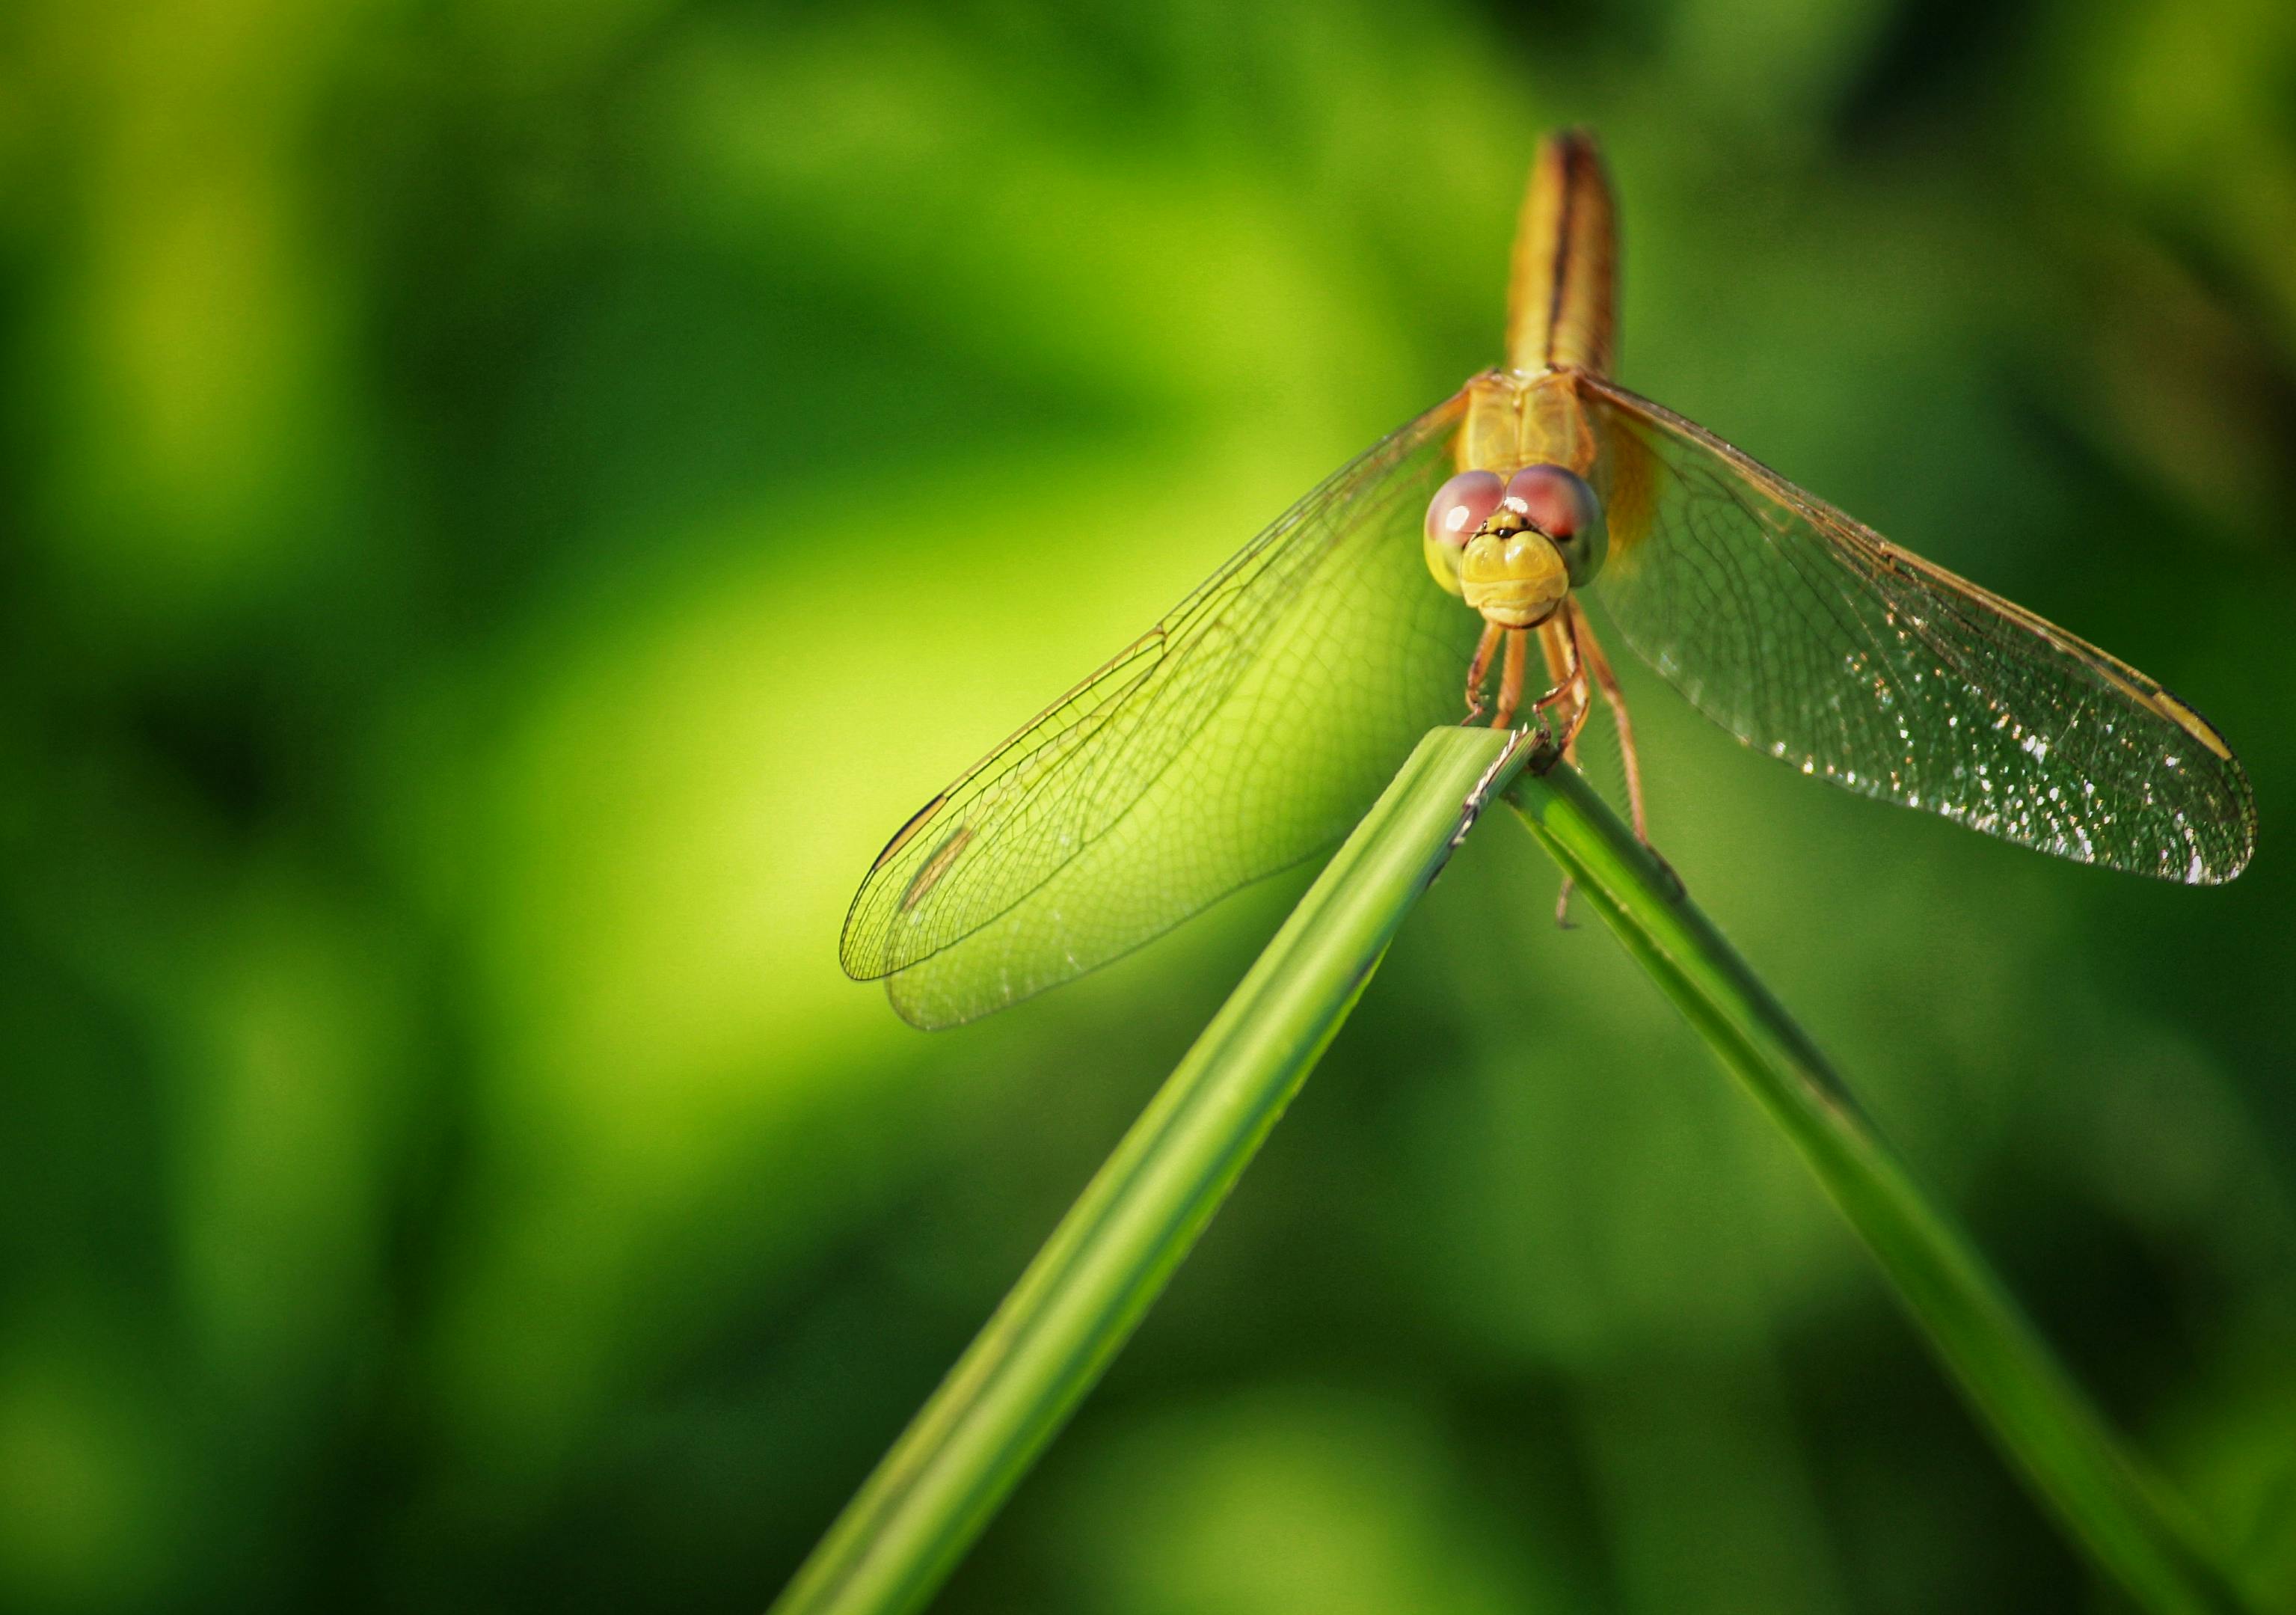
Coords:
pixel 1553 647
pixel 1600 664
pixel 1479 669
pixel 1609 681
pixel 1510 679
pixel 1566 678
pixel 1558 638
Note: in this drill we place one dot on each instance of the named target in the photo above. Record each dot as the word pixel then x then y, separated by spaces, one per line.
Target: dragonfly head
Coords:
pixel 1513 550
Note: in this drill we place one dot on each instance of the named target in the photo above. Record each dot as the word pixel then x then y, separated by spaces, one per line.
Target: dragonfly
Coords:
pixel 1252 727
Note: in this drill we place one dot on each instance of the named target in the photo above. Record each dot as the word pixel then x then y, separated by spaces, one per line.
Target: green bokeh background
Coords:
pixel 504 507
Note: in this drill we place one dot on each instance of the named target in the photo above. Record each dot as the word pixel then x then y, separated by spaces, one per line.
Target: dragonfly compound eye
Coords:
pixel 1562 505
pixel 1454 515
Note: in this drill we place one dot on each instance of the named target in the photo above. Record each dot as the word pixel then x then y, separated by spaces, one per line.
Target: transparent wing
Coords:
pixel 1245 732
pixel 1808 635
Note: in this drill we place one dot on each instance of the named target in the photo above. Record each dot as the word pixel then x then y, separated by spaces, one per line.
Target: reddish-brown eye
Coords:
pixel 1461 506
pixel 1557 503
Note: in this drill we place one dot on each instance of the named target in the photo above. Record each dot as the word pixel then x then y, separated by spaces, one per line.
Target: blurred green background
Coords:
pixel 503 509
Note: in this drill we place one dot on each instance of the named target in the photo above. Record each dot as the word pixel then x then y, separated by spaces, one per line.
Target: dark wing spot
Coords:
pixel 935 866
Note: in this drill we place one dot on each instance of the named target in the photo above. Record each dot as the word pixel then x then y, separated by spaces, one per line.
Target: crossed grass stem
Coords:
pixel 1071 1311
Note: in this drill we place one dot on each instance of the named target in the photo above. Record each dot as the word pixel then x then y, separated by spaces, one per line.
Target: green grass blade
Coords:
pixel 2130 1528
pixel 1111 1256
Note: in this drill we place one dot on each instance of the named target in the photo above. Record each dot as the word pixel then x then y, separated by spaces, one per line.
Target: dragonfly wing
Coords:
pixel 1244 733
pixel 1809 636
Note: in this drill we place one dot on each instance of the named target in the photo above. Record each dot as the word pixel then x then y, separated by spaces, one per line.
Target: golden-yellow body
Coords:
pixel 1561 324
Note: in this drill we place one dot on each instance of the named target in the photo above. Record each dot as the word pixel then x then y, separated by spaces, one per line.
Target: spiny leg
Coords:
pixel 1559 639
pixel 1567 680
pixel 1583 632
pixel 1555 645
pixel 1627 755
pixel 1510 679
pixel 1479 669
